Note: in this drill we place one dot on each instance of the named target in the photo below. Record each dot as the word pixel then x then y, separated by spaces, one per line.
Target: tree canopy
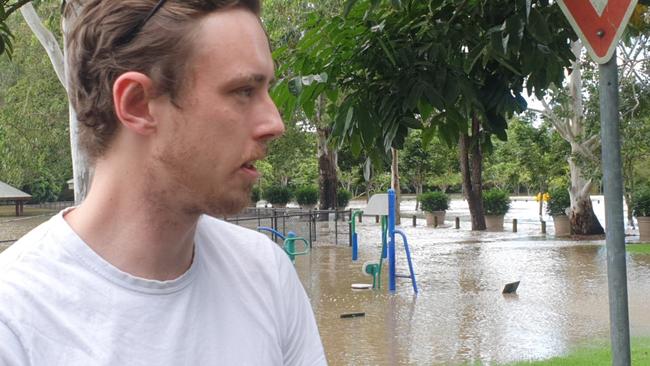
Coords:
pixel 432 65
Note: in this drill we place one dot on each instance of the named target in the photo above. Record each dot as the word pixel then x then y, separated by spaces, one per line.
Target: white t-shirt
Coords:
pixel 240 303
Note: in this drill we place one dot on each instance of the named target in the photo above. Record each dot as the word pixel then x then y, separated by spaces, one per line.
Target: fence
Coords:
pixel 52 205
pixel 322 227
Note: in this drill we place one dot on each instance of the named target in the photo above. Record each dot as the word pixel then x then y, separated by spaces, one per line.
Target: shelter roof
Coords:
pixel 9 193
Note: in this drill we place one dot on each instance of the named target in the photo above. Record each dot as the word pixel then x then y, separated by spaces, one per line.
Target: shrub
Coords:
pixel 45 188
pixel 434 201
pixel 641 203
pixel 307 195
pixel 496 202
pixel 343 197
pixel 558 201
pixel 277 195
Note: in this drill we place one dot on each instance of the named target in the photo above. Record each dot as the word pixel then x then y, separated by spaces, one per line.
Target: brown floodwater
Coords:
pixel 460 315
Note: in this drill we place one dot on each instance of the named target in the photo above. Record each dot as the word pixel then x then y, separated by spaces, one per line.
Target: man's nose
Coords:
pixel 271 124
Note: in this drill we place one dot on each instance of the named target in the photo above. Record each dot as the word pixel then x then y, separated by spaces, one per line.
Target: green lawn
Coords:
pixel 638 248
pixel 596 354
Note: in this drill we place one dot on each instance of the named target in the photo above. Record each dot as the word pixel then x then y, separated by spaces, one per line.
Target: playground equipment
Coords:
pixel 383 205
pixel 289 244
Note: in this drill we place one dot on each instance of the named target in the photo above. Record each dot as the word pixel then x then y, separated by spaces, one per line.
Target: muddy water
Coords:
pixel 460 315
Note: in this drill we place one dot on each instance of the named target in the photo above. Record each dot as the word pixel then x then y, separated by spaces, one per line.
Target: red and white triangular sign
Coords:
pixel 598 23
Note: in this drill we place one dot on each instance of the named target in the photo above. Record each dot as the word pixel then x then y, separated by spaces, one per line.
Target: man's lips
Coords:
pixel 250 169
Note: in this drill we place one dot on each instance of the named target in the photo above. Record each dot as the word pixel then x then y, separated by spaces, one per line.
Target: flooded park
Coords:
pixel 460 315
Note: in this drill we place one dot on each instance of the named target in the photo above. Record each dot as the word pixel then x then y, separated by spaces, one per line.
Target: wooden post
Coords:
pixel 514 225
pixel 543 227
pixel 458 223
pixel 376 219
pixel 435 221
pixel 414 221
pixel 361 218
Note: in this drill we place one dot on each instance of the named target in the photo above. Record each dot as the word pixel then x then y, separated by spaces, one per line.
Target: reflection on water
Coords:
pixel 460 315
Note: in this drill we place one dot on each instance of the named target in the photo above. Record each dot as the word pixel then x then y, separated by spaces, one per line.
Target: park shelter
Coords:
pixel 11 194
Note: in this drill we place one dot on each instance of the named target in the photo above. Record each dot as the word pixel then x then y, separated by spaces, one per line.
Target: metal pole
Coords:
pixel 391 240
pixel 615 234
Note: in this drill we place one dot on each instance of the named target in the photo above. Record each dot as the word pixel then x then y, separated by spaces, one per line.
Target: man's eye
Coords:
pixel 246 92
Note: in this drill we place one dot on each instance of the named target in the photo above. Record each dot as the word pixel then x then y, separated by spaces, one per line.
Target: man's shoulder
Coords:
pixel 21 250
pixel 233 243
pixel 225 231
pixel 28 271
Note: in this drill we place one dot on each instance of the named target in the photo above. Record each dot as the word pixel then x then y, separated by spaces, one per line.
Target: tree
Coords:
pixel 439 66
pixel 635 104
pixel 285 21
pixel 568 118
pixel 8 7
pixel 530 158
pixel 287 154
pixel 422 164
pixel 577 122
pixel 33 129
pixel 417 162
pixel 81 166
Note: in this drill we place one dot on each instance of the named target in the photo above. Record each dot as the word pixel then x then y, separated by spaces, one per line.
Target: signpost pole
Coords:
pixel 600 24
pixel 612 176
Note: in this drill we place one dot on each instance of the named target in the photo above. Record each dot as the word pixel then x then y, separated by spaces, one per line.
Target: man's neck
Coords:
pixel 143 237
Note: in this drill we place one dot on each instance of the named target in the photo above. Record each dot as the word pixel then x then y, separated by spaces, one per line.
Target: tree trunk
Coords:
pixel 418 192
pixel 470 151
pixel 572 129
pixel 81 167
pixel 394 184
pixel 581 215
pixel 327 179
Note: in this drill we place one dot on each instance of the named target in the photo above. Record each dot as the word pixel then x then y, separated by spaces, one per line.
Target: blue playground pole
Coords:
pixel 355 238
pixel 391 240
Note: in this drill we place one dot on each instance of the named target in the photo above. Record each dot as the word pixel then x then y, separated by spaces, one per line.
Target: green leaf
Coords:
pixel 355 145
pixel 425 110
pixel 348 120
pixel 348 7
pixel 295 86
pixel 538 27
pixel 473 57
pixel 388 54
pixel 427 135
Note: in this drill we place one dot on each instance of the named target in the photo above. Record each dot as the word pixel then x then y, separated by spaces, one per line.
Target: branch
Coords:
pixel 592 143
pixel 15 6
pixel 47 40
pixel 561 128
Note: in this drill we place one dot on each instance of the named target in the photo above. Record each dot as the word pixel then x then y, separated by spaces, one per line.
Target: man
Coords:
pixel 174 106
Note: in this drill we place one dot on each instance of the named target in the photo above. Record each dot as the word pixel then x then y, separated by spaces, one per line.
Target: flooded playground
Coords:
pixel 460 315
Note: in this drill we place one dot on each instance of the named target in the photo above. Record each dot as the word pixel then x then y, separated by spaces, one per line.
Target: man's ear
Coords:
pixel 132 92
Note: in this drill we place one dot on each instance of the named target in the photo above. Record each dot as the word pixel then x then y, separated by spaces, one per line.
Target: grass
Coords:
pixel 595 354
pixel 643 248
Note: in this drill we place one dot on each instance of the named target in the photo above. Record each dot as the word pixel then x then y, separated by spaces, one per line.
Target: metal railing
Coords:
pixel 314 225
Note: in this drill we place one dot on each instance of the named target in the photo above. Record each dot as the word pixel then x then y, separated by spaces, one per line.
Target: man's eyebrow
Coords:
pixel 251 78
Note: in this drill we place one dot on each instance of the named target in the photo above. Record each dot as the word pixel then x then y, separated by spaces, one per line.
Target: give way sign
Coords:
pixel 598 23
